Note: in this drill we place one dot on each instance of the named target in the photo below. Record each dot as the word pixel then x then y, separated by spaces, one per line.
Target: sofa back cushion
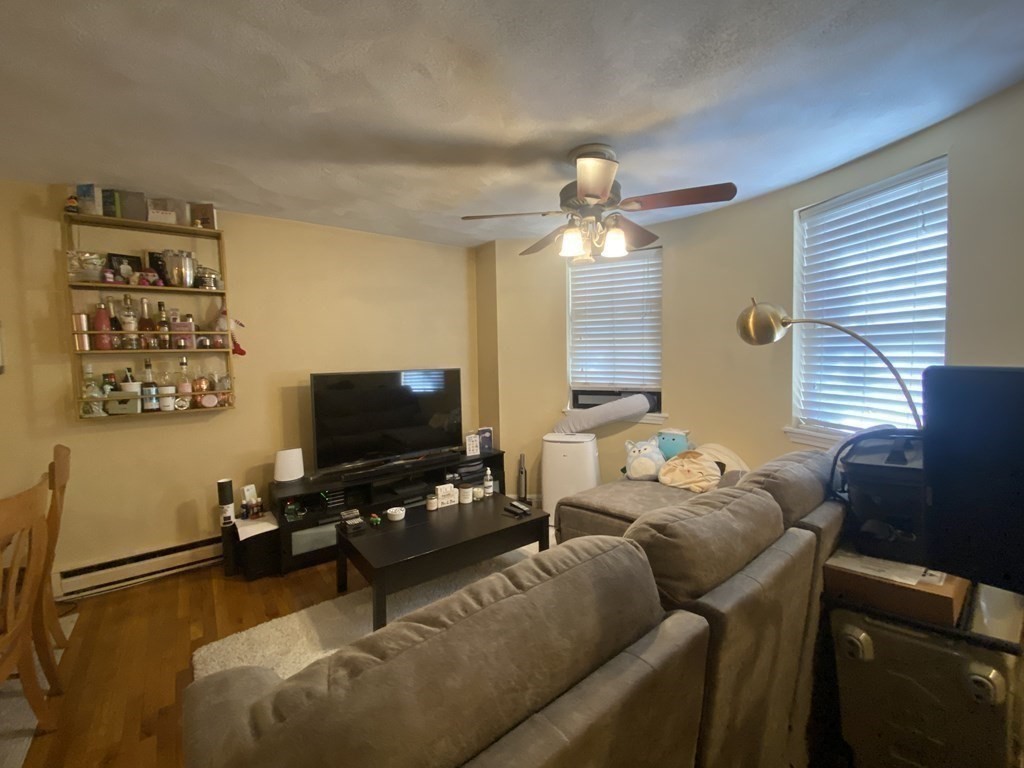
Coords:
pixel 518 640
pixel 695 546
pixel 757 623
pixel 798 481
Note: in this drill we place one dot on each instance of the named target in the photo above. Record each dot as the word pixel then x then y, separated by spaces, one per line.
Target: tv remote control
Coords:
pixel 520 506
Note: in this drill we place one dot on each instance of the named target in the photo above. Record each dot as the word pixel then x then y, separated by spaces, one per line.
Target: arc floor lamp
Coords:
pixel 763 323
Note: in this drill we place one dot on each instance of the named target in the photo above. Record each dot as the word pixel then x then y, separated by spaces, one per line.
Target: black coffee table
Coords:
pixel 402 553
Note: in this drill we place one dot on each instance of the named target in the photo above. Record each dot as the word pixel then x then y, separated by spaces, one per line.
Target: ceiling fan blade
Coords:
pixel 506 215
pixel 636 236
pixel 545 241
pixel 713 193
pixel 594 177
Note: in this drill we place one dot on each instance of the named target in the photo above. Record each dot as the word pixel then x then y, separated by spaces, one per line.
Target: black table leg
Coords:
pixel 342 571
pixel 544 537
pixel 380 596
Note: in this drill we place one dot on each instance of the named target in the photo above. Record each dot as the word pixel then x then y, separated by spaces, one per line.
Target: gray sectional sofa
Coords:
pixel 749 559
pixel 682 636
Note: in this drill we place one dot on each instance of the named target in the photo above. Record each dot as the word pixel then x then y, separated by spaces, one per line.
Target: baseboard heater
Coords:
pixel 125 571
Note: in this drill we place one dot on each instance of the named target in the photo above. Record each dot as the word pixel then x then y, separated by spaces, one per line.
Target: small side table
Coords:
pixel 914 694
pixel 253 557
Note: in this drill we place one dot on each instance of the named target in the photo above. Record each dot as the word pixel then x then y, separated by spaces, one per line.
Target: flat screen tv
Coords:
pixel 368 417
pixel 974 468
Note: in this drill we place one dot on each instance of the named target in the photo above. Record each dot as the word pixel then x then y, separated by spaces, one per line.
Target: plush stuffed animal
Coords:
pixel 643 459
pixel 673 442
pixel 691 470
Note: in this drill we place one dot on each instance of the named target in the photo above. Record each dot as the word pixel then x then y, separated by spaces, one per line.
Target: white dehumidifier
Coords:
pixel 568 466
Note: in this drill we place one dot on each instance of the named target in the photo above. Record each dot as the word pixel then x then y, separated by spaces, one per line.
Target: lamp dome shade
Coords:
pixel 762 323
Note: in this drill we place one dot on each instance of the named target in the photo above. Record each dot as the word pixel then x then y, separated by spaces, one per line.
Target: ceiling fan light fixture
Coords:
pixel 583 258
pixel 614 243
pixel 572 243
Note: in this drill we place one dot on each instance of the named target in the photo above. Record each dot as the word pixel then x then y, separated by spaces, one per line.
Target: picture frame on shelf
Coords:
pixel 203 215
pixel 124 265
pixel 90 199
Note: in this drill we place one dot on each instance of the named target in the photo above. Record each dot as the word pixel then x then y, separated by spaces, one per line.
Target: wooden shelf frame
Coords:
pixel 111 222
pixel 107 287
pixel 72 220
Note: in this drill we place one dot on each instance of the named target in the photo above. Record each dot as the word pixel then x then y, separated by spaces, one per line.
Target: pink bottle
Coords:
pixel 101 322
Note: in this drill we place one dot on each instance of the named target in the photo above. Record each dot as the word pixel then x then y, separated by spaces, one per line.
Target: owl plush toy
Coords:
pixel 643 459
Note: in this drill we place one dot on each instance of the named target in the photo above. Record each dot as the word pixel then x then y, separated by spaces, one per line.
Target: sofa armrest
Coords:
pixel 642 709
pixel 216 715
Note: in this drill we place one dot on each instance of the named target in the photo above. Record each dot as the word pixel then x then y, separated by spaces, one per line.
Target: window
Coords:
pixel 873 261
pixel 615 329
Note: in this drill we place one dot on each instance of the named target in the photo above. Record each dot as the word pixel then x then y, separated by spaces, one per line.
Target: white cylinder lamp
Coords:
pixel 288 465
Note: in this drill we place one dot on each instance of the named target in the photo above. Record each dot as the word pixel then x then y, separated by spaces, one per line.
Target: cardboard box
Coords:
pixel 897 588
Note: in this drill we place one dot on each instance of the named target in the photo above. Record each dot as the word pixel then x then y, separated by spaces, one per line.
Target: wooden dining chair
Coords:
pixel 48 633
pixel 23 554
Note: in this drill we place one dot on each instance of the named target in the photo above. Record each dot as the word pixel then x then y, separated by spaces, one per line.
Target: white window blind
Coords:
pixel 615 324
pixel 873 261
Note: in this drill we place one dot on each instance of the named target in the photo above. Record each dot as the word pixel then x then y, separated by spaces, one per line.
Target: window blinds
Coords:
pixel 873 261
pixel 615 323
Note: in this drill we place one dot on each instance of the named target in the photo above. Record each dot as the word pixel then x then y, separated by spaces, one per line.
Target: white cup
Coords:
pixel 166 403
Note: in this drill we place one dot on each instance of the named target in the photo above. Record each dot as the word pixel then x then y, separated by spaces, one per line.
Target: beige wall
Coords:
pixel 730 393
pixel 313 299
pixel 487 332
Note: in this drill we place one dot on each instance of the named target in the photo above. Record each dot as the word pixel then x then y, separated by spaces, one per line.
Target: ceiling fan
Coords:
pixel 593 205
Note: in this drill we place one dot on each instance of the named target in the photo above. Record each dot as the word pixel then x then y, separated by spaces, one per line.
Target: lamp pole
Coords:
pixel 764 323
pixel 873 348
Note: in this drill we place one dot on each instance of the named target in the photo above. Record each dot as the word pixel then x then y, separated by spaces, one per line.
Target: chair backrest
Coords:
pixel 59 474
pixel 23 555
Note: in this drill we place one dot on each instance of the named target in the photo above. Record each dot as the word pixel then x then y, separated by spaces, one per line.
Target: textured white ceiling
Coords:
pixel 400 116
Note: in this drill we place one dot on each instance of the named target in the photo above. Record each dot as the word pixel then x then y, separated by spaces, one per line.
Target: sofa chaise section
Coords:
pixel 611 508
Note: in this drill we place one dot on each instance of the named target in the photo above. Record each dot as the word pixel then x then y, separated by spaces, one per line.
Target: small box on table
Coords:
pixel 900 589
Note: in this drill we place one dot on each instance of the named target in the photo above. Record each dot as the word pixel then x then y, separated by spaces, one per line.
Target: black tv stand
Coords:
pixel 306 509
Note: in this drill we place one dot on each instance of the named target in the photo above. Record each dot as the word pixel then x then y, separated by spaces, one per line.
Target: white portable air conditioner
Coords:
pixel 568 466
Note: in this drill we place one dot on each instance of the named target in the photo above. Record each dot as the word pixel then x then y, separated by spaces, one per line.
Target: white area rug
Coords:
pixel 17 720
pixel 291 642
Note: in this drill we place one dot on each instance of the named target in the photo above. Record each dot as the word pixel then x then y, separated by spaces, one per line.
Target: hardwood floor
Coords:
pixel 130 655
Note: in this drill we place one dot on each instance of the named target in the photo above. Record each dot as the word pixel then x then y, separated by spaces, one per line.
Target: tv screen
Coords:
pixel 363 417
pixel 974 468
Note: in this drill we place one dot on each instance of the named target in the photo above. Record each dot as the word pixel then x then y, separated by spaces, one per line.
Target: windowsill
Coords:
pixel 818 438
pixel 647 418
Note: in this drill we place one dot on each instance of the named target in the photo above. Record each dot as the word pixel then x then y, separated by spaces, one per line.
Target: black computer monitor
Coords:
pixel 974 470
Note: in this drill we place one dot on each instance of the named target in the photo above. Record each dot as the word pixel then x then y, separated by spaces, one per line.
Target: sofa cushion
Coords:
pixel 798 481
pixel 510 637
pixel 695 546
pixel 609 509
pixel 627 499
